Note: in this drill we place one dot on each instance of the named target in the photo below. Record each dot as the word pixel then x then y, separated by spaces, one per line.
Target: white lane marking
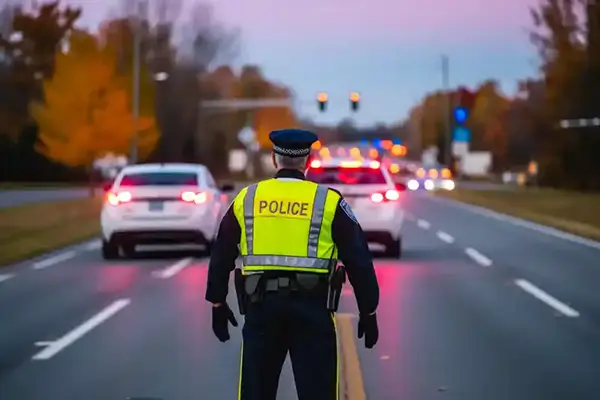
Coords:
pixel 48 262
pixel 445 237
pixel 95 245
pixel 546 230
pixel 423 224
pixel 478 257
pixel 546 298
pixel 77 333
pixel 174 269
pixel 43 343
pixel 5 277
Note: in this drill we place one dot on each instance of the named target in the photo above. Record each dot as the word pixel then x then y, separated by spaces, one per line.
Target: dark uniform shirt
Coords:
pixel 353 251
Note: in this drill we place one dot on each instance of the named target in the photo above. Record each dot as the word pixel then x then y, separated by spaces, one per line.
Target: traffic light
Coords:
pixel 354 100
pixel 322 101
pixel 464 100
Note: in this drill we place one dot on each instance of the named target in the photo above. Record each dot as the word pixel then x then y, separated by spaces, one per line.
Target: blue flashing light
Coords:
pixel 377 142
pixel 460 115
pixel 396 141
pixel 364 141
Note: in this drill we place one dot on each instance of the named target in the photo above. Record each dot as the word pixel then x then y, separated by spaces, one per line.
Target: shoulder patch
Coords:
pixel 348 210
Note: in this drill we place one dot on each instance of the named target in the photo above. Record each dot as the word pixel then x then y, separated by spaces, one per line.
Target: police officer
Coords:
pixel 291 233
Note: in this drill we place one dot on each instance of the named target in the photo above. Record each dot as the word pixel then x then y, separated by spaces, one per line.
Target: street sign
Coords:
pixel 238 160
pixel 460 149
pixel 247 136
pixel 579 123
pixel 461 134
pixel 238 104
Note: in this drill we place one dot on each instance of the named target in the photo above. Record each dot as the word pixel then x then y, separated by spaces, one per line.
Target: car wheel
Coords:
pixel 128 250
pixel 394 249
pixel 110 250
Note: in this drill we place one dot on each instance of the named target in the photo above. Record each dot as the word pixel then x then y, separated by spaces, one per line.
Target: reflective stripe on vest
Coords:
pixel 310 261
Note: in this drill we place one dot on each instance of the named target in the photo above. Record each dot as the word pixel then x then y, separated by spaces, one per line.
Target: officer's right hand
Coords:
pixel 221 317
pixel 367 327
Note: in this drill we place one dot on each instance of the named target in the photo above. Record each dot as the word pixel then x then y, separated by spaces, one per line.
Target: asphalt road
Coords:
pixel 477 308
pixel 15 197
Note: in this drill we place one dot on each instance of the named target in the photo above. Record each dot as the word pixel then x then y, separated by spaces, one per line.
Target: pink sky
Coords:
pixel 389 50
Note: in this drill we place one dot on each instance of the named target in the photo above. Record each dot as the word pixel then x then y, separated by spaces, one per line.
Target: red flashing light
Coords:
pixel 115 199
pixel 191 197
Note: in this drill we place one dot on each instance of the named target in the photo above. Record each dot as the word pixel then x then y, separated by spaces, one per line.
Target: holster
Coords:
pixel 240 292
pixel 334 290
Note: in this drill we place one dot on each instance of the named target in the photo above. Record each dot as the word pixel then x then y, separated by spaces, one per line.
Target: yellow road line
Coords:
pixel 351 380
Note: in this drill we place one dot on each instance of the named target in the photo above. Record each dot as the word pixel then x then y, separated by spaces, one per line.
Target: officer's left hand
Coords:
pixel 368 327
pixel 221 317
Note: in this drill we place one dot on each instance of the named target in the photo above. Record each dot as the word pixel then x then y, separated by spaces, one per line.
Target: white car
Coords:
pixel 161 204
pixel 372 194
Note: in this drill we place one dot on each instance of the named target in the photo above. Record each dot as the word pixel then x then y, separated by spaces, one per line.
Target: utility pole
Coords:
pixel 448 110
pixel 139 17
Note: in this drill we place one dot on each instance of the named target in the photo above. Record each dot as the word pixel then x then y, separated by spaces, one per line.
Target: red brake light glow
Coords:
pixel 118 198
pixel 315 164
pixel 390 195
pixel 191 197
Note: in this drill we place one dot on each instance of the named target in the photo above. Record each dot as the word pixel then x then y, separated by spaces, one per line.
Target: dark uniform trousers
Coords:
pixel 297 322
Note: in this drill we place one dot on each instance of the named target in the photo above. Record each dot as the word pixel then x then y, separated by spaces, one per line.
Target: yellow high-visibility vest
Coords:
pixel 286 226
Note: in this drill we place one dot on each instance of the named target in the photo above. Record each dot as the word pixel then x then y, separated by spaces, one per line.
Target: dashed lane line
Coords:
pixel 478 257
pixel 423 224
pixel 546 298
pixel 445 237
pixel 5 277
pixel 57 346
pixel 48 262
pixel 174 269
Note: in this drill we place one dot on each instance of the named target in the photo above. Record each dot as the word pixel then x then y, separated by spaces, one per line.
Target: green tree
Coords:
pixel 30 58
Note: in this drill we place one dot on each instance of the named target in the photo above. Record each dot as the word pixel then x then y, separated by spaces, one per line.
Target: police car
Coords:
pixel 374 198
pixel 161 204
pixel 432 178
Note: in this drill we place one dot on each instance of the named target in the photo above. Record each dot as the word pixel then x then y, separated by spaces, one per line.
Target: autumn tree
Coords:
pixel 86 111
pixel 560 39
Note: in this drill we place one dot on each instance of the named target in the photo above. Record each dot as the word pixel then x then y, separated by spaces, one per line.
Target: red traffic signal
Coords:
pixel 354 100
pixel 322 101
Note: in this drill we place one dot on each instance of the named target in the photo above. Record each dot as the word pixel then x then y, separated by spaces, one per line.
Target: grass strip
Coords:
pixel 577 213
pixel 32 229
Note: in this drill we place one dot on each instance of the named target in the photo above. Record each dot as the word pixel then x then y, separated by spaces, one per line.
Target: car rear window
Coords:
pixel 346 176
pixel 160 179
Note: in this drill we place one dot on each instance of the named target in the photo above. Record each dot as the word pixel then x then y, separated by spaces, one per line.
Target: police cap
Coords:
pixel 292 142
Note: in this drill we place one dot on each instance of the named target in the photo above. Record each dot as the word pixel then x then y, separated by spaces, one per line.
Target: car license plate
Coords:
pixel 155 206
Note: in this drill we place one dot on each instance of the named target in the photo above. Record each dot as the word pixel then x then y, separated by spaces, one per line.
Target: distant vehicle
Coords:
pixel 432 177
pixel 374 197
pixel 161 204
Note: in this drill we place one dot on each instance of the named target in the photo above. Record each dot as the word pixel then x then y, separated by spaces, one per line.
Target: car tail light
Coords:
pixel 192 197
pixel 315 164
pixel 389 195
pixel 375 164
pixel 118 198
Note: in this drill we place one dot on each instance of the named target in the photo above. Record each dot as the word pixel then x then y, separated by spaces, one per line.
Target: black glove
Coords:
pixel 367 327
pixel 221 317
